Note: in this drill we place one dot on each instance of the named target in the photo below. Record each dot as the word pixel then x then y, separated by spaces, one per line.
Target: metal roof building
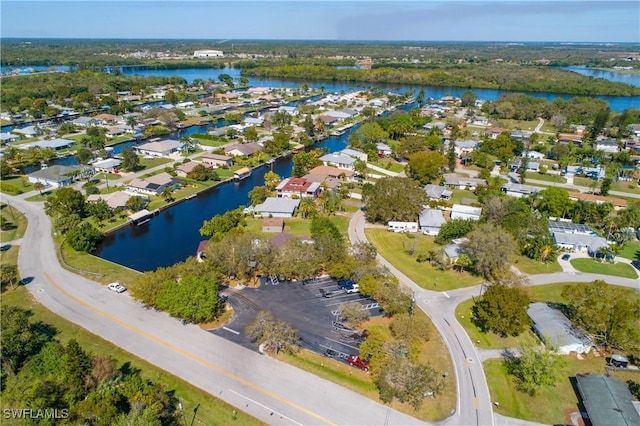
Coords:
pixel 607 400
pixel 556 330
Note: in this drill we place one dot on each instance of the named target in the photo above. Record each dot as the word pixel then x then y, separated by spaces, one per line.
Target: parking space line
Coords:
pixel 230 330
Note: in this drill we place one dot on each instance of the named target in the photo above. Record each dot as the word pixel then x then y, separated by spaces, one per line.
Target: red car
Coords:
pixel 356 361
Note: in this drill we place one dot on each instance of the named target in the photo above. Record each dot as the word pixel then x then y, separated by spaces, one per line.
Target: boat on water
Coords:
pixel 241 174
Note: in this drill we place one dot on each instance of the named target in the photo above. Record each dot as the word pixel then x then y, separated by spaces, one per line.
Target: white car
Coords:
pixel 353 289
pixel 117 287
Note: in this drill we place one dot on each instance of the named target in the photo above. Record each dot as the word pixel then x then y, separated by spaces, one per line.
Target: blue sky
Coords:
pixel 560 20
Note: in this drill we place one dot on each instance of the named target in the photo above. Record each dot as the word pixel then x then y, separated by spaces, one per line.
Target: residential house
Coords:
pixel 86 122
pixel 453 180
pixel 340 161
pixel 634 129
pixel 519 190
pixel 8 137
pixel 480 120
pixel 464 147
pixel 596 173
pixel 556 331
pixel 277 207
pixel 110 165
pixel 430 221
pixel 520 135
pixel 570 228
pixel 357 154
pixel 494 132
pixel 298 187
pixel 590 244
pixel 105 118
pixel 568 138
pixel 618 203
pixel 534 155
pixel 458 211
pixel 216 160
pixel 280 239
pixel 607 145
pixel 384 150
pixel 115 131
pixel 185 168
pixel 54 176
pixel 436 192
pixel 532 166
pixel 606 400
pixel 333 172
pixel 115 199
pixel 160 148
pixel 28 131
pixel 454 250
pixel 242 149
pixel 153 185
pixel 328 120
pixel 48 143
pixel 435 125
pixel 254 121
pixel 272 224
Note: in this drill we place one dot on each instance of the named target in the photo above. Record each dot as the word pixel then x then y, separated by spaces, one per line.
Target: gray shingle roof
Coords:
pixel 607 400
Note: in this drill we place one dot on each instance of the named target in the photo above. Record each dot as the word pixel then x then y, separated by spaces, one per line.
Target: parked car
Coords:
pixel 356 361
pixel 566 256
pixel 636 264
pixel 346 283
pixel 117 287
pixel 330 293
pixel 330 353
pixel 353 289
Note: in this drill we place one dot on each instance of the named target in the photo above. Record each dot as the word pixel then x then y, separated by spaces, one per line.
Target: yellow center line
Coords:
pixel 475 403
pixel 187 354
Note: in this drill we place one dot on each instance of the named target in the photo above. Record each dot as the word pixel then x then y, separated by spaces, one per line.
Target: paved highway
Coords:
pixel 270 390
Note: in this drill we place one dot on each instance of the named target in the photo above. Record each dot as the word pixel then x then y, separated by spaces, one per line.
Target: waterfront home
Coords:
pixel 435 125
pixel 160 148
pixel 115 199
pixel 280 239
pixel 8 137
pixel 272 224
pixel 153 185
pixel 340 161
pixel 430 221
pixel 459 211
pixel 110 165
pixel 277 207
pixel 493 132
pixel 105 118
pixel 333 172
pixel 54 176
pixel 254 121
pixel 28 131
pixel 519 190
pixel 242 149
pixel 216 160
pixel 570 228
pixel 555 330
pixel 453 180
pixel 384 150
pixel 48 143
pixel 115 131
pixel 184 169
pixel 436 192
pixel 298 187
pixel 86 122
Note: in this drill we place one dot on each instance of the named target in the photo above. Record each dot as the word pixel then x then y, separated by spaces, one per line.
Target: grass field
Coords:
pixel 631 250
pixel 546 177
pixel 15 224
pixel 530 266
pixel 547 407
pixel 394 246
pixel 298 226
pixel 211 411
pixel 594 266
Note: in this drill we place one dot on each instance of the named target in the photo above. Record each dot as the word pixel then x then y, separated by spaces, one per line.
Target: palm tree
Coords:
pixel 131 122
pixel 307 207
pixel 167 194
pixel 38 186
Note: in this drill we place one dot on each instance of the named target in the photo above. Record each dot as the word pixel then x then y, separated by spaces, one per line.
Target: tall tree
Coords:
pixel 394 198
pixel 535 368
pixel 272 335
pixel 503 310
pixel 491 249
pixel 130 159
pixel 425 166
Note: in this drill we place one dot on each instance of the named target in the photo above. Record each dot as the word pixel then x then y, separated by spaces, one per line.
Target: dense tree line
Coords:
pixel 39 371
pixel 490 76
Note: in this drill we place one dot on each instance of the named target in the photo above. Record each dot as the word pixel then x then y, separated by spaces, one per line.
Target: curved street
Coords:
pixel 266 388
pixel 474 406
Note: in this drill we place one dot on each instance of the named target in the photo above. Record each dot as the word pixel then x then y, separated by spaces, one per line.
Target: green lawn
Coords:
pixel 14 185
pixel 549 405
pixel 298 226
pixel 459 194
pixel 394 246
pixel 147 163
pixel 211 411
pixel 546 177
pixel 15 224
pixel 594 266
pixel 631 250
pixel 631 187
pixel 530 266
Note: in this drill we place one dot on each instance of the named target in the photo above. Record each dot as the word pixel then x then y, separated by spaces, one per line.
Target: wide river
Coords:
pixel 174 235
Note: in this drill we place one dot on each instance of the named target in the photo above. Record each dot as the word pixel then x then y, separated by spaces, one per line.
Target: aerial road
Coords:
pixel 268 389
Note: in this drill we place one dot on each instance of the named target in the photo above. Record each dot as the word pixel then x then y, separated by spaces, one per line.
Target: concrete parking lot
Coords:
pixel 302 306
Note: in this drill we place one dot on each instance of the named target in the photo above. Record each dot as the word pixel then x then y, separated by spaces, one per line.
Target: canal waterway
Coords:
pixel 174 234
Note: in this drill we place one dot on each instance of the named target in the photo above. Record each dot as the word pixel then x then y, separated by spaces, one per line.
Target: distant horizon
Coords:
pixel 518 21
pixel 231 40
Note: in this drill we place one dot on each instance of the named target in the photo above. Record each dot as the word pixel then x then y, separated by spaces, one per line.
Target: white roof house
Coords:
pixel 340 161
pixel 556 330
pixel 462 182
pixel 534 155
pixel 277 207
pixel 519 190
pixel 580 242
pixel 50 143
pixel 430 221
pixel 108 165
pixel 54 176
pixel 359 155
pixel 459 211
pixel 151 185
pixel 159 149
